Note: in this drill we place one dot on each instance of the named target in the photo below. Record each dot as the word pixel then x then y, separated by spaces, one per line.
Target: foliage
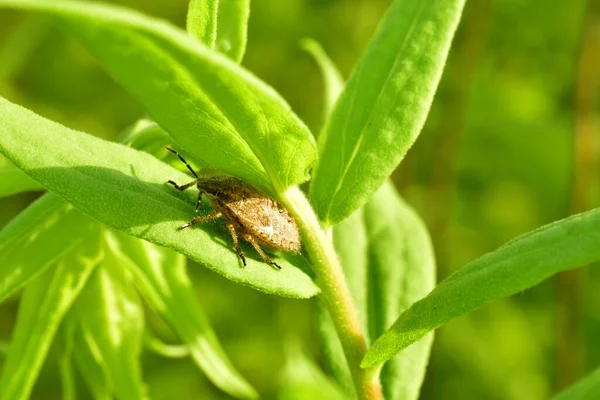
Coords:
pixel 102 268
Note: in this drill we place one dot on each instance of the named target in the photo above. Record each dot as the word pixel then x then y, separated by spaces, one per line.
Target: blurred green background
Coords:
pixel 511 143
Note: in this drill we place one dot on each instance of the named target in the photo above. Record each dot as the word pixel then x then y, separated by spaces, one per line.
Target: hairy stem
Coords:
pixel 335 291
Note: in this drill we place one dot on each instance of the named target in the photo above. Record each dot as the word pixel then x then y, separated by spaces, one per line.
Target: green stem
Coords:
pixel 335 291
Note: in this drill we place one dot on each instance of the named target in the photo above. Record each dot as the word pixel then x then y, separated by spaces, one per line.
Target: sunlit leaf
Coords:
pixel 586 389
pixel 302 379
pixel 516 266
pixel 126 189
pixel 36 238
pixel 384 105
pixel 43 305
pixel 334 83
pixel 111 321
pixel 221 25
pixel 161 276
pixel 388 260
pixel 211 106
pixel 13 180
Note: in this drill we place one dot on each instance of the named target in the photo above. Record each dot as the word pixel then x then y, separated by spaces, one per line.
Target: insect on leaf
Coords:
pixel 212 107
pixel 516 266
pixel 126 189
pixel 383 106
pixel 43 305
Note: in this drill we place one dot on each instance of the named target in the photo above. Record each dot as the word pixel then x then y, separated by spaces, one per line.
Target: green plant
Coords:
pixel 366 253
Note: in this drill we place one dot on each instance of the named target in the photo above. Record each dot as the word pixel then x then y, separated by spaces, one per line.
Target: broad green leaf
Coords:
pixel 221 25
pixel 36 238
pixel 302 379
pixel 212 107
pixel 516 266
pixel 43 305
pixel 383 106
pixel 126 190
pixel 111 320
pixel 334 83
pixel 13 180
pixel 586 389
pixel 388 260
pixel 161 276
pixel 401 270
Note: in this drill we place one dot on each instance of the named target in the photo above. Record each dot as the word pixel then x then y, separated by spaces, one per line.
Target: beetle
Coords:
pixel 249 214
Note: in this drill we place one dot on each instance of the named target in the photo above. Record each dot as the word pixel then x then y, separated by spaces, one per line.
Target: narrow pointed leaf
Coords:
pixel 126 190
pixel 212 107
pixel 334 83
pixel 161 276
pixel 111 321
pixel 201 21
pixel 302 379
pixel 13 180
pixel 516 266
pixel 586 389
pixel 43 305
pixel 388 259
pixel 221 25
pixel 36 238
pixel 384 105
pixel 93 372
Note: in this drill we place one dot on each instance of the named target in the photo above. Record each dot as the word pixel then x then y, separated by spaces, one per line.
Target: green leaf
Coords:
pixel 40 235
pixel 126 190
pixel 389 263
pixel 111 320
pixel 93 372
pixel 586 389
pixel 302 379
pixel 201 21
pixel 334 83
pixel 335 362
pixel 384 105
pixel 212 107
pixel 401 270
pixel 43 305
pixel 221 25
pixel 161 276
pixel 13 180
pixel 516 266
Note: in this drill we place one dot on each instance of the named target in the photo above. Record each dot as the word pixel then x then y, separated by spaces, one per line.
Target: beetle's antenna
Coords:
pixel 182 160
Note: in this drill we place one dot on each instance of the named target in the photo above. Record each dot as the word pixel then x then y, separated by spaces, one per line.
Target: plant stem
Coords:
pixel 335 291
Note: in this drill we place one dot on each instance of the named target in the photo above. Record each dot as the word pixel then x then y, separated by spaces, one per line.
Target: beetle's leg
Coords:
pixel 236 244
pixel 198 202
pixel 182 160
pixel 250 238
pixel 182 188
pixel 197 220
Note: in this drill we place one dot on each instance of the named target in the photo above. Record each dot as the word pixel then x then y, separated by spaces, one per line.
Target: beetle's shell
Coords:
pixel 261 216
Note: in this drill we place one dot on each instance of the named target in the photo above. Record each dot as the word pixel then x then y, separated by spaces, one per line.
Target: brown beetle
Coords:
pixel 248 213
